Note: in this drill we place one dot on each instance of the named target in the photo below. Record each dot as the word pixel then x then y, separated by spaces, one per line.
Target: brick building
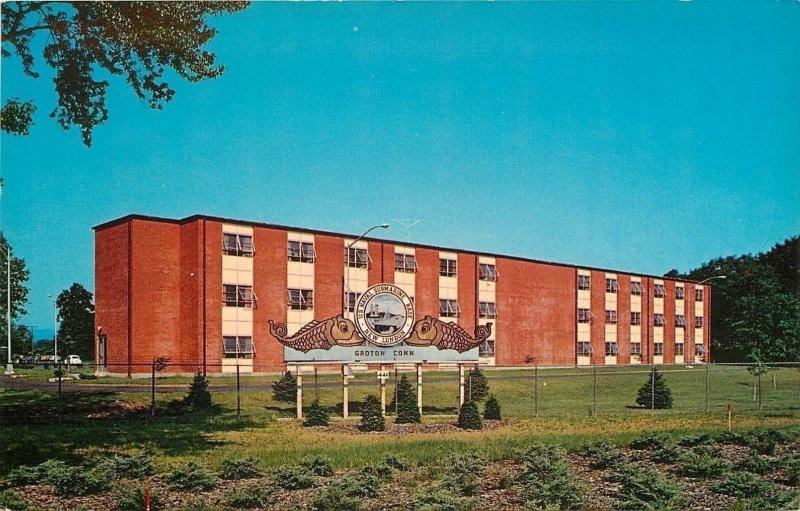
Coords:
pixel 200 290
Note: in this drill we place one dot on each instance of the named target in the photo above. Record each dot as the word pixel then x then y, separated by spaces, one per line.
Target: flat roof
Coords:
pixel 192 218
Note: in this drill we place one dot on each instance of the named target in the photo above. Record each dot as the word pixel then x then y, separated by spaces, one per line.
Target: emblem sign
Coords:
pixel 384 315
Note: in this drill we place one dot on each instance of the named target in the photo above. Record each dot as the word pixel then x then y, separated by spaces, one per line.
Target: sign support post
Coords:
pixel 460 385
pixel 345 392
pixel 383 393
pixel 419 388
pixel 299 393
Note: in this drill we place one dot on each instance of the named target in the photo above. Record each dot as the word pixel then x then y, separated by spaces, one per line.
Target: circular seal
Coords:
pixel 384 315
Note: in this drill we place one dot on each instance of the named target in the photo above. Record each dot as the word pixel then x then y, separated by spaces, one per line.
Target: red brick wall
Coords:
pixel 387 264
pixel 467 274
pixel 669 322
pixel 688 313
pixel 426 284
pixel 111 293
pixel 328 276
pixel 598 325
pixel 535 313
pixel 213 293
pixel 269 281
pixel 624 319
pixel 375 274
pixel 191 293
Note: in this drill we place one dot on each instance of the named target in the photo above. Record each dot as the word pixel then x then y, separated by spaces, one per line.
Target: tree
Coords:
pixel 371 415
pixel 491 410
pixel 85 41
pixel 21 339
pixel 662 397
pixel 285 389
pixel 469 417
pixel 198 398
pixel 317 415
pixel 407 411
pixel 76 313
pixel 478 385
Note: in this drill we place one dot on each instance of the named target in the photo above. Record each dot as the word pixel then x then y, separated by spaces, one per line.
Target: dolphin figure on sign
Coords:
pixel 318 335
pixel 430 331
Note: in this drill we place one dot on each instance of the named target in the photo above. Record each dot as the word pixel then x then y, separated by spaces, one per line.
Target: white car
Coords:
pixel 74 360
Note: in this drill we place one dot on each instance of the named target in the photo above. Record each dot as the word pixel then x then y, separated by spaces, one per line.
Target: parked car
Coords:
pixel 74 360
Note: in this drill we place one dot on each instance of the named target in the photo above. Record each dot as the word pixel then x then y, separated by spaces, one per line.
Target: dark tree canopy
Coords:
pixel 76 313
pixel 88 41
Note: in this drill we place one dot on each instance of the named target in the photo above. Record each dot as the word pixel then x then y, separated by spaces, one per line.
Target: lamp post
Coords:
pixel 55 329
pixel 347 267
pixel 9 366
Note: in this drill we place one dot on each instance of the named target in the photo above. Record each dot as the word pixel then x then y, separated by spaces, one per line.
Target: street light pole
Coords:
pixel 55 329
pixel 9 366
pixel 347 263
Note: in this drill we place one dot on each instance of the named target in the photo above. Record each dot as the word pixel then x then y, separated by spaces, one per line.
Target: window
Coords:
pixel 698 295
pixel 584 348
pixel 680 321
pixel 237 347
pixel 406 263
pixel 699 350
pixel 448 267
pixel 448 308
pixel 658 319
pixel 612 286
pixel 350 300
pixel 611 349
pixel 356 257
pixel 234 295
pixel 636 318
pixel 611 316
pixel 583 282
pixel 660 291
pixel 636 348
pixel 487 272
pixel 487 309
pixel 237 245
pixel 679 348
pixel 301 252
pixel 679 293
pixel 698 321
pixel 636 288
pixel 658 348
pixel 301 299
pixel 584 316
pixel 486 349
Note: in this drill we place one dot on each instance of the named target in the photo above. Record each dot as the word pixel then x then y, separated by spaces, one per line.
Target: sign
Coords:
pixel 384 315
pixel 382 375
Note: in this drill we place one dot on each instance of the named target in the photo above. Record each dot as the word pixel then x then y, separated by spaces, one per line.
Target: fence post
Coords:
pixel 59 390
pixel 153 388
pixel 536 390
pixel 760 397
pixel 653 389
pixel 707 376
pixel 594 390
pixel 238 395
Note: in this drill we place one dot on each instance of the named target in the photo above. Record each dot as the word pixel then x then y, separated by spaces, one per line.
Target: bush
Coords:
pixel 191 476
pixel 285 389
pixel 67 480
pixel 317 415
pixel 791 469
pixel 603 455
pixel 252 495
pixel 477 385
pixel 395 462
pixel 289 477
pixel 764 441
pixel 668 453
pixel 662 397
pixel 754 463
pixel 743 485
pixel 126 466
pixel 198 398
pixel 335 497
pixel 492 409
pixel 242 468
pixel 130 497
pixel 464 472
pixel 317 465
pixel 371 415
pixel 22 476
pixel 548 480
pixel 468 416
pixel 731 438
pixel 12 501
pixel 439 497
pixel 694 440
pixel 407 411
pixel 701 465
pixel 642 487
pixel 651 441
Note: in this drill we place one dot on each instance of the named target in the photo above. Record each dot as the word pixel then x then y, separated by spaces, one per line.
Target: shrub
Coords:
pixel 603 455
pixel 407 410
pixel 191 476
pixel 130 497
pixel 395 462
pixel 380 471
pixel 492 409
pixel 742 485
pixel 464 472
pixel 22 476
pixel 242 468
pixel 643 488
pixel 317 415
pixel 67 480
pixel 198 398
pixel 659 398
pixel 731 437
pixel 289 477
pixel 650 441
pixel 439 497
pixel 335 497
pixel 469 417
pixel 694 440
pixel 668 453
pixel 754 463
pixel 791 469
pixel 371 415
pixel 12 501
pixel 122 466
pixel 317 465
pixel 365 486
pixel 252 495
pixel 478 385
pixel 285 389
pixel 548 480
pixel 702 465
pixel 764 441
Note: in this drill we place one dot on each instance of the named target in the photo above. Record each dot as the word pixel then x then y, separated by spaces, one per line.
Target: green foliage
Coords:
pixel 240 468
pixel 191 476
pixel 285 389
pixel 317 415
pixel 694 440
pixel 250 496
pixel 668 453
pixel 791 468
pixel 642 488
pixel 764 441
pixel 547 480
pixel 198 398
pixel 702 464
pixel 754 463
pixel 477 385
pixel 743 485
pixel 76 313
pixel 338 496
pixel 649 440
pixel 12 501
pixel 71 480
pixel 662 397
pixel 290 477
pixel 407 411
pixel 16 116
pixel 491 410
pixel 86 42
pixel 395 462
pixel 469 417
pixel 130 497
pixel 19 281
pixel 731 438
pixel 371 415
pixel 440 497
pixel 603 455
pixel 317 465
pixel 127 466
pixel 464 472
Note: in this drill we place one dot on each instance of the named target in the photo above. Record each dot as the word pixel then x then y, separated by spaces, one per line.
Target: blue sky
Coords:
pixel 641 136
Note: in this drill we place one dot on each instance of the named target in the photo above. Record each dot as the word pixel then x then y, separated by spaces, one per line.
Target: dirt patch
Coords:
pixel 393 429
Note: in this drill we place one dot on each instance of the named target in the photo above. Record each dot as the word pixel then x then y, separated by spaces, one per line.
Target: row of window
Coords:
pixel 659 291
pixel 585 316
pixel 584 349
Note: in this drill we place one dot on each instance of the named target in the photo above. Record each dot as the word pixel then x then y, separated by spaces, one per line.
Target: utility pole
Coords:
pixel 9 365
